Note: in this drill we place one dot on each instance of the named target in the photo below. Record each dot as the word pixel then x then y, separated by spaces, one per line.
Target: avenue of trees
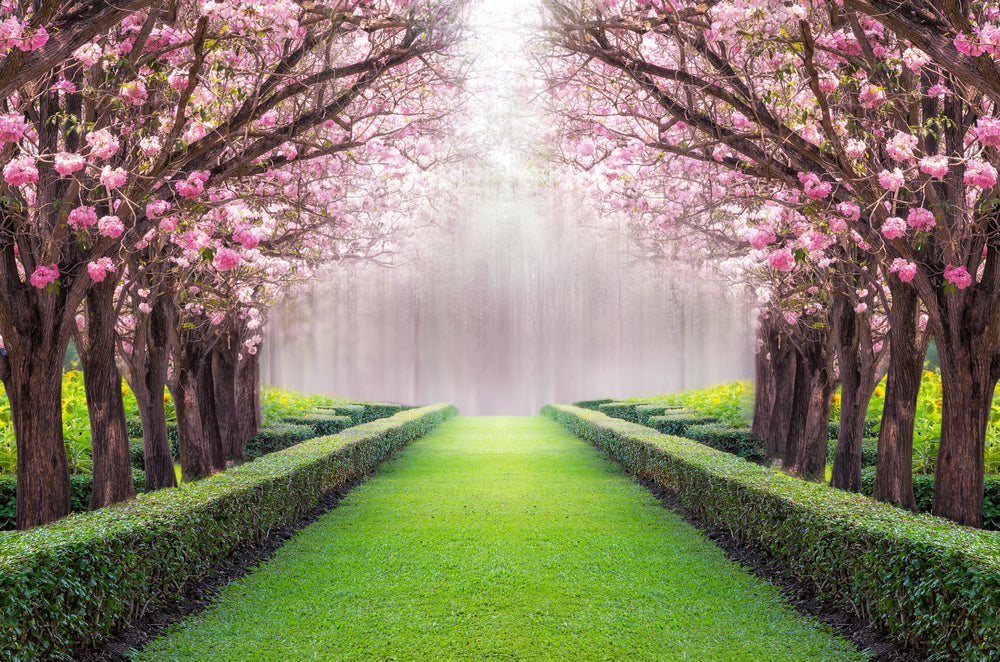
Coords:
pixel 169 169
pixel 842 155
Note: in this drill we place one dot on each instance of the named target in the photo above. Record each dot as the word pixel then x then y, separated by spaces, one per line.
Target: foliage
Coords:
pixel 80 486
pixel 278 404
pixel 738 441
pixel 731 403
pixel 511 569
pixel 321 424
pixel 928 582
pixel 678 424
pixel 276 437
pixel 923 493
pixel 71 583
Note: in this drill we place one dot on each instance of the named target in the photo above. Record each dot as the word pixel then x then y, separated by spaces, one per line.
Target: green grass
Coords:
pixel 500 539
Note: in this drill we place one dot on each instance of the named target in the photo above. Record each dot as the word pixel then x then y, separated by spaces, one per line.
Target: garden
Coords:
pixel 172 174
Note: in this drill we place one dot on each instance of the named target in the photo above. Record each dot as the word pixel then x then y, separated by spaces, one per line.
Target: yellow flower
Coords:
pixel 284 401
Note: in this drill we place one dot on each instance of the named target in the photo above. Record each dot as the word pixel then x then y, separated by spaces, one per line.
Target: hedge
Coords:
pixel 322 424
pixel 923 493
pixel 869 452
pixel 644 412
pixel 376 410
pixel 928 582
pixel 677 423
pixel 80 487
pixel 593 404
pixel 70 584
pixel 623 410
pixel 738 441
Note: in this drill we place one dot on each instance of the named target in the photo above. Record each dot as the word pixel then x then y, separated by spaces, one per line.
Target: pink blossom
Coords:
pixel 157 208
pixel 921 219
pixel 988 131
pixel 935 166
pixel 67 163
pixel 12 127
pixel 169 224
pixel 837 225
pixel 134 92
pixel 906 270
pixel 424 147
pixel 82 217
pixel 900 146
pixel 248 239
pixel 762 238
pixel 850 209
pixel 939 91
pixel 781 259
pixel 20 171
pixel 791 318
pixel 217 317
pixel 980 173
pixel 894 227
pixel 98 269
pixel 871 96
pixel 178 80
pixel 44 275
pixel 958 276
pixel 145 308
pixel 270 118
pixel 195 131
pixel 113 177
pixel 967 47
pixel 110 226
pixel 855 148
pixel 891 181
pixel 914 58
pixel 37 39
pixel 814 188
pixel 861 307
pixel 150 146
pixel 88 54
pixel 103 143
pixel 226 259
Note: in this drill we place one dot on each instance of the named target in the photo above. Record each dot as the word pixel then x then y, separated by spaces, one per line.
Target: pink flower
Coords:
pixel 103 143
pixel 88 54
pixel 813 187
pixel 791 318
pixel 938 90
pixel 861 307
pixel 914 58
pixel 44 275
pixel 38 39
pixel 781 259
pixel 891 181
pixel 935 166
pixel 194 184
pixel 67 163
pixel 98 269
pixel 248 239
pixel 921 219
pixel 424 147
pixel 894 227
pixel 145 308
pixel 12 127
pixel 226 259
pixel 837 225
pixel 20 171
pixel 157 208
pixel 967 47
pixel 169 224
pixel 871 96
pixel 150 146
pixel 958 276
pixel 217 317
pixel 113 178
pixel 110 226
pixel 855 148
pixel 82 217
pixel 980 173
pixel 134 92
pixel 988 131
pixel 850 209
pixel 178 80
pixel 906 270
pixel 900 146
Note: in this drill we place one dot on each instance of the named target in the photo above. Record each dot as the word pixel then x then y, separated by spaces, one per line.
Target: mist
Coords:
pixel 517 296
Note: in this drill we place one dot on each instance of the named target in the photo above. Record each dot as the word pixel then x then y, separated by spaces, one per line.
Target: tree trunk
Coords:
pixel 857 383
pixel 209 414
pixel 196 454
pixel 105 406
pixel 894 468
pixel 224 367
pixel 808 432
pixel 149 365
pixel 764 383
pixel 248 396
pixel 32 377
pixel 776 361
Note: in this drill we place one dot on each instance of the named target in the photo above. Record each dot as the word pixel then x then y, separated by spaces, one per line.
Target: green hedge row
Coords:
pixel 80 487
pixel 923 492
pixel 738 441
pixel 928 582
pixel 70 584
pixel 593 404
pixel 323 424
pixel 677 424
pixel 869 452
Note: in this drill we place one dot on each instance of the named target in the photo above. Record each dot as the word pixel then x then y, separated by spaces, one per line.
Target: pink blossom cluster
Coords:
pixel 20 171
pixel 12 127
pixel 980 173
pixel 157 208
pixel 110 226
pixel 194 184
pixel 891 181
pixel 67 163
pixel 958 276
pixel 99 269
pixel 906 269
pixel 935 166
pixel 43 275
pixel 781 259
pixel 81 218
pixel 134 92
pixel 103 143
pixel 226 259
pixel 988 131
pixel 814 188
pixel 113 178
pixel 762 238
pixel 900 146
pixel 15 33
pixel 921 219
pixel 894 228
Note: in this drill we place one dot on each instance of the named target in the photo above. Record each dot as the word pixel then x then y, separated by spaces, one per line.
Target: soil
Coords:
pixel 800 595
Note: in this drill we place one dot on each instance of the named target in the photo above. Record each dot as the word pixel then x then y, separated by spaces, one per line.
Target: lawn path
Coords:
pixel 499 539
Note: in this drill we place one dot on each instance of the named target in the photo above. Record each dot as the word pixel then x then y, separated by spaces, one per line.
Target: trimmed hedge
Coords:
pixel 276 437
pixel 738 441
pixel 355 412
pixel 80 487
pixel 643 412
pixel 928 582
pixel 320 423
pixel 71 583
pixel 923 493
pixel 676 424
pixel 622 410
pixel 377 410
pixel 593 404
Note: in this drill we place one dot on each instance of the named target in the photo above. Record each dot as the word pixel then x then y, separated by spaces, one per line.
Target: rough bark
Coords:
pixel 224 367
pixel 808 432
pixel 189 362
pixel 149 363
pixel 105 406
pixel 775 368
pixel 894 468
pixel 764 384
pixel 249 413
pixel 858 378
pixel 209 414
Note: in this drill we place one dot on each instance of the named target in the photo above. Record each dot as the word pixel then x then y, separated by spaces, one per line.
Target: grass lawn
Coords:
pixel 500 539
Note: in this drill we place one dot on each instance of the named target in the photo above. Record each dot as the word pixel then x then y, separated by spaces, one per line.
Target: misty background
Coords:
pixel 516 296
